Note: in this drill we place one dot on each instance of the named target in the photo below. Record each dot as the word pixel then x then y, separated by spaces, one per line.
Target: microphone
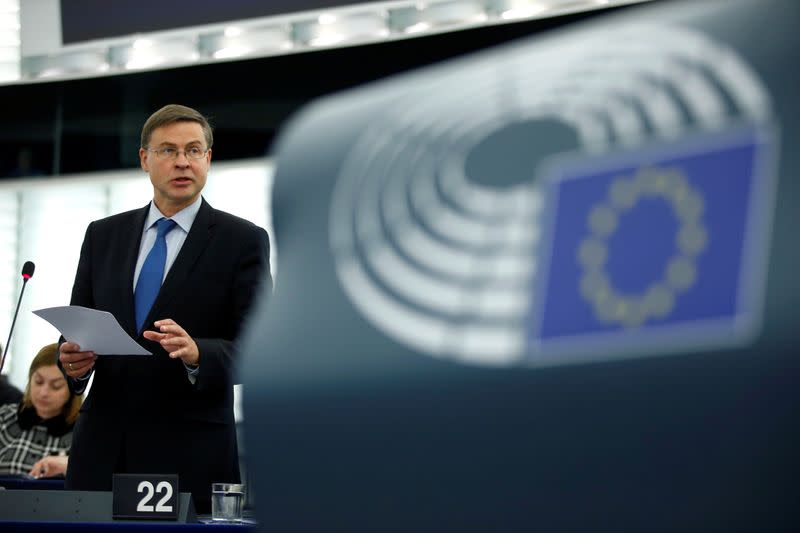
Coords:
pixel 27 273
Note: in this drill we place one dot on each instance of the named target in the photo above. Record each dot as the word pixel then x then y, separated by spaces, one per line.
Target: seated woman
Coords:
pixel 36 434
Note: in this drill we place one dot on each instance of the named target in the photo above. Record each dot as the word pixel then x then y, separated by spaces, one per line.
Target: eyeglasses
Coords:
pixel 195 152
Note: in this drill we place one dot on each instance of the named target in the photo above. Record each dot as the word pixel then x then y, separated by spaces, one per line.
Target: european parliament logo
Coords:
pixel 654 250
pixel 454 237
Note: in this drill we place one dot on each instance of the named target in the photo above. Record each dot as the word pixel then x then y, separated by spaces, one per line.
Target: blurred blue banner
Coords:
pixel 653 246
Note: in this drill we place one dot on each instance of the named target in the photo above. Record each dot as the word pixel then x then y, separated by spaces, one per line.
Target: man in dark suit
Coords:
pixel 171 412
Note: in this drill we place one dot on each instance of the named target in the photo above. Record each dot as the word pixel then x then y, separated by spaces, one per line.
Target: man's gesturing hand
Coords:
pixel 175 340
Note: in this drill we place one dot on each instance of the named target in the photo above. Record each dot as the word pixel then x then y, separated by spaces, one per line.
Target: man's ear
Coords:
pixel 143 154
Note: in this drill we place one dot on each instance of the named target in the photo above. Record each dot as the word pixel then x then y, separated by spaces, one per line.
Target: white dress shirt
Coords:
pixel 175 238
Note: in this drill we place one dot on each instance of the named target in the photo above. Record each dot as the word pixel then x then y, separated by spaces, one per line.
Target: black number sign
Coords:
pixel 145 496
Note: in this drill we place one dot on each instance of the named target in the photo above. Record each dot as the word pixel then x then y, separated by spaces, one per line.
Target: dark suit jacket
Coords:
pixel 142 414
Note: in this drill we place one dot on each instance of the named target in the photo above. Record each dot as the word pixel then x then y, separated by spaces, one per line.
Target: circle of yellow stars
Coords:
pixel 680 273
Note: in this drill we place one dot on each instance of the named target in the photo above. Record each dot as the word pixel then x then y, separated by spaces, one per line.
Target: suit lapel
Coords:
pixel 196 241
pixel 130 255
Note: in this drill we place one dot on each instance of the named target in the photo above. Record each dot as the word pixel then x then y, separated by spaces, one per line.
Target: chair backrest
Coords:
pixel 549 286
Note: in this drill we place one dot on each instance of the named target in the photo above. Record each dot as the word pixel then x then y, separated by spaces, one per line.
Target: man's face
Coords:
pixel 176 182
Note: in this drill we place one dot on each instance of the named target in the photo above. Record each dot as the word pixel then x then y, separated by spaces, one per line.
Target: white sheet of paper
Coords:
pixel 92 330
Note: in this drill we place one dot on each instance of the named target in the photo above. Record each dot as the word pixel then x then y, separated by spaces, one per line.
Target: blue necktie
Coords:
pixel 152 273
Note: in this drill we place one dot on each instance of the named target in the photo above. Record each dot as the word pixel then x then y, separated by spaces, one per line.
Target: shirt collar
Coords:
pixel 183 218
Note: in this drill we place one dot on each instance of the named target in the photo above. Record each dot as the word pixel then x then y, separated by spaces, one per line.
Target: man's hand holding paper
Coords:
pixel 75 362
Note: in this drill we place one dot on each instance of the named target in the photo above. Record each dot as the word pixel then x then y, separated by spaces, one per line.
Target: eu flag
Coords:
pixel 651 250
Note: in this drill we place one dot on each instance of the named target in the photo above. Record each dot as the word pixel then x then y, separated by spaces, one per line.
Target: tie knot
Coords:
pixel 164 226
